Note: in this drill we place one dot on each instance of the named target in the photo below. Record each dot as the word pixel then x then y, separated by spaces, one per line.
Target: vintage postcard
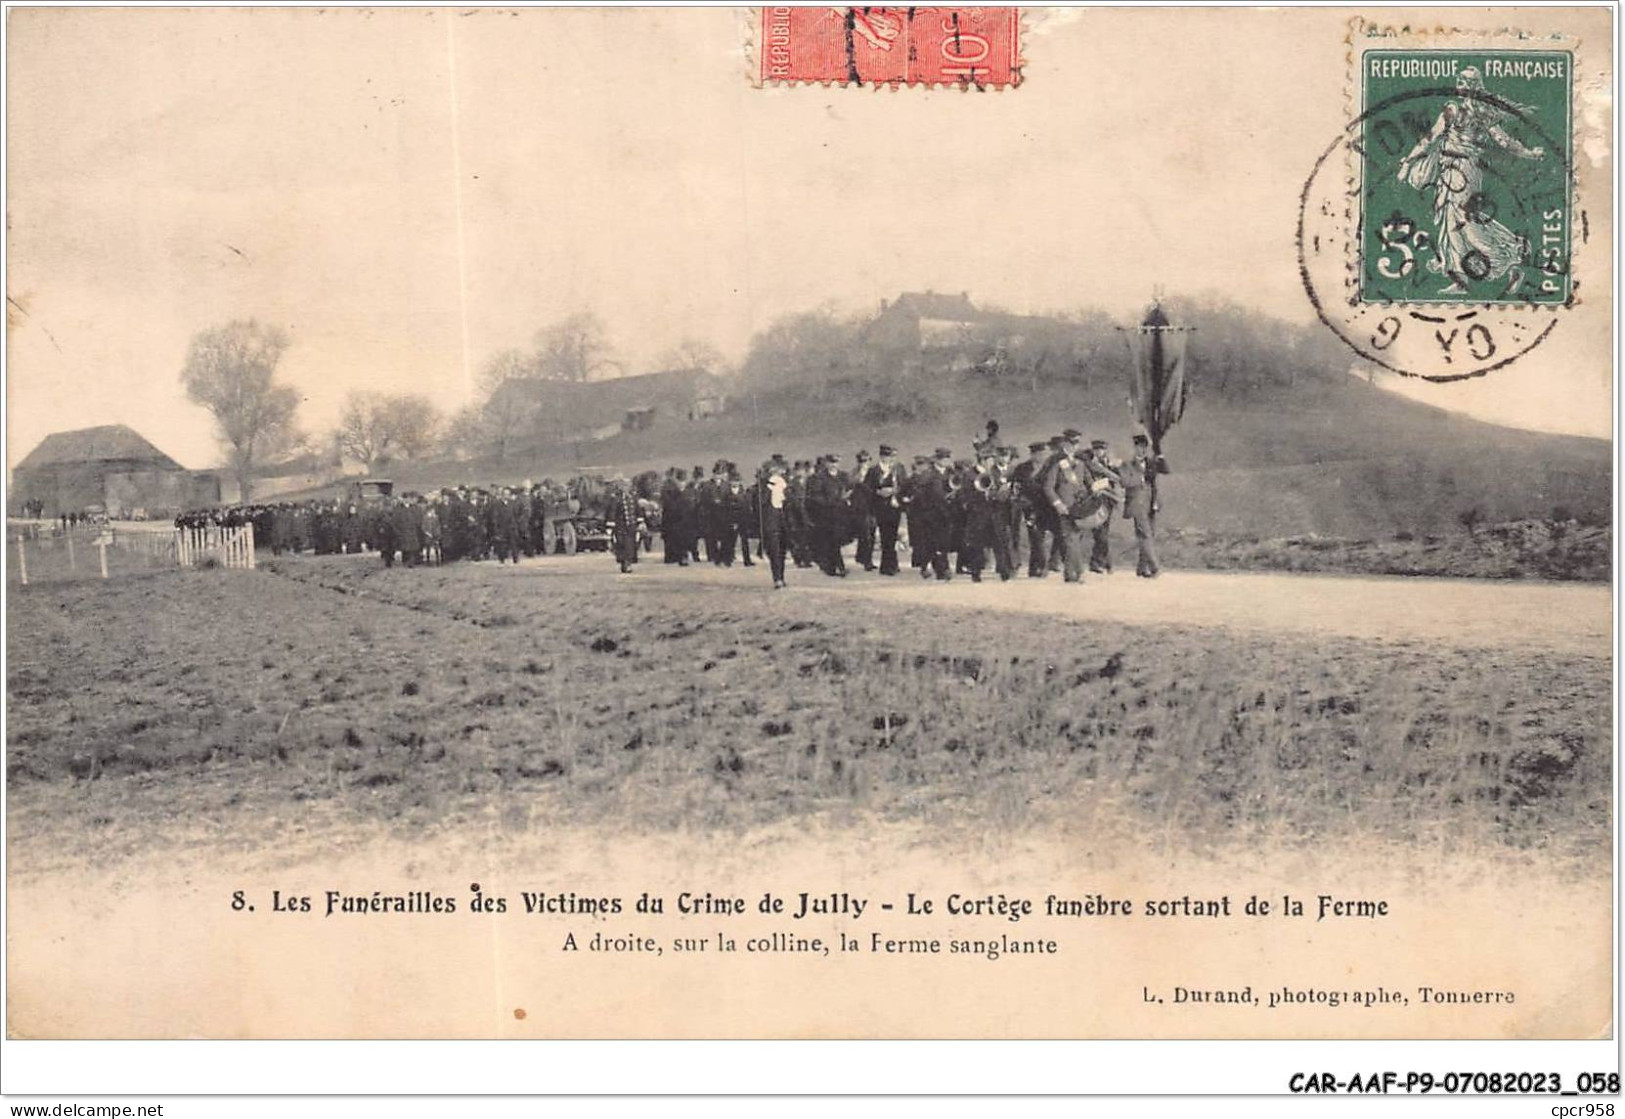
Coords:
pixel 866 523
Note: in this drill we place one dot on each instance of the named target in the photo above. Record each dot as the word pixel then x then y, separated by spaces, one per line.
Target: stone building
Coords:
pixel 110 469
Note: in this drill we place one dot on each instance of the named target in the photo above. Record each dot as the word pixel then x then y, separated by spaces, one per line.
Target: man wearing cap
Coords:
pixel 774 512
pixel 800 524
pixel 1032 509
pixel 1138 475
pixel 928 515
pixel 1006 518
pixel 739 515
pixel 883 489
pixel 696 530
pixel 431 532
pixel 674 518
pixel 863 513
pixel 706 526
pixel 1102 469
pixel 1065 482
pixel 985 496
pixel 827 512
pixel 621 521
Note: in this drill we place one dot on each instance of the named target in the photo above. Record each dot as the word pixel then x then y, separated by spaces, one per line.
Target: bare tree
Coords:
pixel 463 436
pixel 574 349
pixel 506 410
pixel 362 432
pixel 806 348
pixel 374 428
pixel 415 421
pixel 230 370
pixel 693 353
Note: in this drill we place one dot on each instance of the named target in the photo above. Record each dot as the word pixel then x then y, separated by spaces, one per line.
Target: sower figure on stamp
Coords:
pixel 1449 163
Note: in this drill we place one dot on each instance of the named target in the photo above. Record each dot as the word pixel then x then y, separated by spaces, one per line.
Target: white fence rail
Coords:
pixel 229 547
pixel 38 551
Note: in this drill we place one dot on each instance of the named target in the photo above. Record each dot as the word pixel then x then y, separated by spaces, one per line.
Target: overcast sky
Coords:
pixel 408 191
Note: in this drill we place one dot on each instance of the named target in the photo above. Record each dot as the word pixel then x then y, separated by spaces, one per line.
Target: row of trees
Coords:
pixel 1243 351
pixel 230 370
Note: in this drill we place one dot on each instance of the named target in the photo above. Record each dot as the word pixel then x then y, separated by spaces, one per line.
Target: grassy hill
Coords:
pixel 1325 454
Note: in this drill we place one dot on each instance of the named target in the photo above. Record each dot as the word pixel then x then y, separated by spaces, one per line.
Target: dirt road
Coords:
pixel 1561 617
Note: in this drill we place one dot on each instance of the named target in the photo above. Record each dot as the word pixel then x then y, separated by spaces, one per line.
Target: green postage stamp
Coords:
pixel 1465 176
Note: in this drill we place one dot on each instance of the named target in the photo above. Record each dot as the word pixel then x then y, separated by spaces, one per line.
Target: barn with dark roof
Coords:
pixel 110 467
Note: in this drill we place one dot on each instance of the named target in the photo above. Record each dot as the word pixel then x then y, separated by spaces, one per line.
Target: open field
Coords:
pixel 315 699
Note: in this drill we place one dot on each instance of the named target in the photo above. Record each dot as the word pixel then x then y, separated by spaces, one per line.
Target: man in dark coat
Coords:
pixel 1066 484
pixel 735 520
pixel 707 519
pixel 800 521
pixel 406 520
pixel 621 521
pixel 774 507
pixel 696 530
pixel 674 518
pixel 1033 509
pixel 479 524
pixel 1138 475
pixel 1101 467
pixel 863 512
pixel 928 515
pixel 827 515
pixel 382 530
pixel 883 494
pixel 504 527
pixel 521 520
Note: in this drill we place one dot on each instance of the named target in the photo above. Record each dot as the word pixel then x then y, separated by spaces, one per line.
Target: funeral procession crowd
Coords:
pixel 1051 511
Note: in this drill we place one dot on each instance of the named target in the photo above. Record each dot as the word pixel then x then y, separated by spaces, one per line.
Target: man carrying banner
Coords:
pixel 1139 476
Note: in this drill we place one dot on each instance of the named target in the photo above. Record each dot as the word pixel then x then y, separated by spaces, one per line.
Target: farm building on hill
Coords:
pixel 587 410
pixel 110 467
pixel 925 320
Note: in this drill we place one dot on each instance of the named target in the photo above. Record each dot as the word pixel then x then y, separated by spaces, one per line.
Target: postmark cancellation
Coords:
pixel 1438 232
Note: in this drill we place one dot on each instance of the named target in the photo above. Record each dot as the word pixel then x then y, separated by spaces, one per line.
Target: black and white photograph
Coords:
pixel 594 523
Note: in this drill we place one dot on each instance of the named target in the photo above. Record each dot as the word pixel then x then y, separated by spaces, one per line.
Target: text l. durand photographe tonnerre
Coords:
pixel 915 925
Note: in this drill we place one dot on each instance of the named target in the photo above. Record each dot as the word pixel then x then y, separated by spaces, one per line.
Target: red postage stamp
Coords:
pixel 971 47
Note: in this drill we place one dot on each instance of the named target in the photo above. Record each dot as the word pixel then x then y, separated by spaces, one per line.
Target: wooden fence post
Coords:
pixel 22 558
pixel 72 563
